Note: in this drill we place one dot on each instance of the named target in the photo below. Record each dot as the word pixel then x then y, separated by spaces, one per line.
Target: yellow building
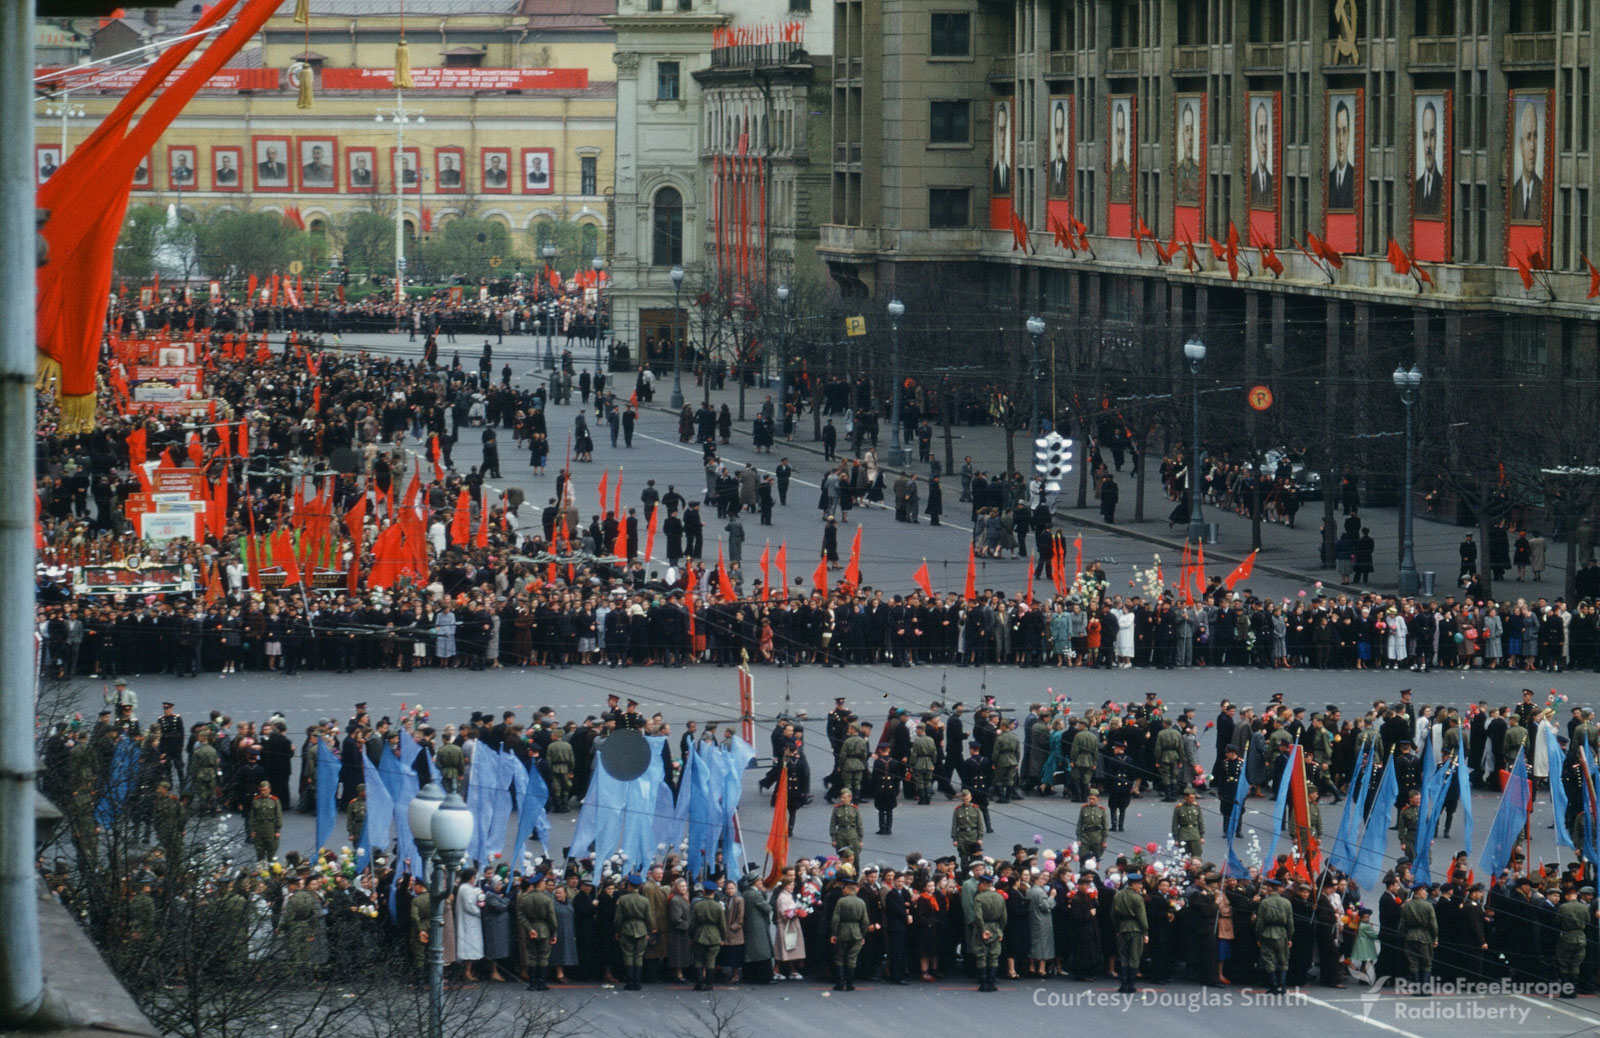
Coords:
pixel 512 118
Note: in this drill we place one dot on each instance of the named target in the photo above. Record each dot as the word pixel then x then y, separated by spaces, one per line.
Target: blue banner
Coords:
pixel 380 812
pixel 327 792
pixel 1285 781
pixel 1370 857
pixel 1241 792
pixel 1433 798
pixel 1558 791
pixel 1341 855
pixel 483 781
pixel 1510 821
pixel 531 817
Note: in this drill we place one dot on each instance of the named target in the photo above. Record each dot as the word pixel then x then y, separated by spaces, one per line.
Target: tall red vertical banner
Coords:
pixel 1528 198
pixel 1122 162
pixel 761 215
pixel 1264 196
pixel 1190 128
pixel 1343 193
pixel 1430 176
pixel 747 704
pixel 1058 171
pixel 1002 163
pixel 716 208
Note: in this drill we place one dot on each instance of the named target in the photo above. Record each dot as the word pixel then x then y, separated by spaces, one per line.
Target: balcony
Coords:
pixel 1004 69
pixel 846 153
pixel 1191 60
pixel 1063 64
pixel 1122 61
pixel 1528 50
pixel 1333 61
pixel 1432 52
pixel 1575 50
pixel 847 241
pixel 1263 57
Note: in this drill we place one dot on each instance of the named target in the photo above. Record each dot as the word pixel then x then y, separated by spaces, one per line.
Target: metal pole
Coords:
pixel 705 354
pixel 1033 372
pixel 437 890
pixel 397 171
pixel 783 369
pixel 897 454
pixel 21 971
pixel 552 310
pixel 677 352
pixel 1409 581
pixel 1197 526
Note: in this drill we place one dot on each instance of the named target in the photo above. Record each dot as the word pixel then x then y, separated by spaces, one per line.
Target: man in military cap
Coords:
pixel 1274 930
pixel 420 917
pixel 1573 920
pixel 848 931
pixel 1419 926
pixel 1189 825
pixel 1133 931
pixel 536 914
pixel 852 757
pixel 988 930
pixel 924 758
pixel 844 824
pixel 1169 759
pixel 297 924
pixel 1226 782
pixel 1406 828
pixel 167 814
pixel 266 822
pixel 170 725
pixel 633 928
pixel 708 931
pixel 976 774
pixel 1085 758
pixel 203 771
pixel 558 754
pixel 966 828
pixel 451 761
pixel 1120 779
pixel 1091 828
pixel 887 775
pixel 1007 761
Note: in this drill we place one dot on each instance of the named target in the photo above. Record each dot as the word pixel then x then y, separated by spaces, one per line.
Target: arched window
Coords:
pixel 544 233
pixel 667 240
pixel 589 241
pixel 764 127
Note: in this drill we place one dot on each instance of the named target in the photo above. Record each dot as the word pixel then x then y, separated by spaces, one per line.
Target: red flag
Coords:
pixel 433 455
pixel 283 555
pixel 1240 572
pixel 138 448
pixel 766 574
pixel 483 522
pixel 650 534
pixel 214 583
pixel 724 585
pixel 618 507
pixel 688 598
pixel 1077 543
pixel 197 452
pixel 819 576
pixel 1200 568
pixel 1524 270
pixel 353 576
pixel 1305 838
pixel 605 481
pixel 1188 250
pixel 972 574
pixel 414 487
pixel 1082 232
pixel 1398 258
pixel 778 835
pixel 1165 252
pixel 1030 579
pixel 1270 260
pixel 633 400
pixel 244 439
pixel 461 523
pixel 921 579
pixel 1326 251
pixel 1594 279
pixel 1019 232
pixel 852 569
pixel 1422 273
pixel 782 562
pixel 356 517
pixel 1140 233
pixel 1063 234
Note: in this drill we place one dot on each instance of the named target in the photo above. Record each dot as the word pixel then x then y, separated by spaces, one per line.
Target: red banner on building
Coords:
pixel 124 80
pixel 458 78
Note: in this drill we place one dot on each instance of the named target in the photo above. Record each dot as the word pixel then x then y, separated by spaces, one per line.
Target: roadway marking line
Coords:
pixel 1358 1016
pixel 1550 1004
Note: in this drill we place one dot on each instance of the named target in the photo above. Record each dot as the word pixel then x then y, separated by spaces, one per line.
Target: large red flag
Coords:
pixel 433 456
pixel 244 439
pixel 197 451
pixel 972 574
pixel 650 534
pixel 766 572
pixel 353 576
pixel 356 517
pixel 819 576
pixel 852 569
pixel 483 522
pixel 605 480
pixel 724 585
pixel 782 562
pixel 1241 572
pixel 778 835
pixel 921 579
pixel 414 487
pixel 283 555
pixel 461 522
pixel 1305 838
pixel 1200 569
pixel 138 449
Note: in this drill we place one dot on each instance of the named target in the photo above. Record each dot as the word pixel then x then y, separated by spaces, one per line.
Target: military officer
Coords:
pixel 1007 759
pixel 1419 926
pixel 536 914
pixel 708 931
pixel 355 818
pixel 560 757
pixel 266 822
pixel 1406 828
pixel 848 931
pixel 633 927
pixel 887 774
pixel 1091 828
pixel 1189 825
pixel 966 829
pixel 1169 758
pixel 451 761
pixel 924 758
pixel 988 929
pixel 168 815
pixel 844 824
pixel 297 924
pixel 1133 931
pixel 1572 922
pixel 203 767
pixel 853 760
pixel 1085 758
pixel 1274 927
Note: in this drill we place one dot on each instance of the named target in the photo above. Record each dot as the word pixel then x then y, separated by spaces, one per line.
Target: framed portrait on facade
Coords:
pixel 1122 155
pixel 1430 179
pixel 361 170
pixel 141 174
pixel 47 160
pixel 1189 171
pixel 318 159
pixel 1058 165
pixel 538 171
pixel 1263 192
pixel 1003 152
pixel 496 170
pixel 1344 147
pixel 183 167
pixel 271 158
pixel 449 170
pixel 227 163
pixel 1530 143
pixel 405 169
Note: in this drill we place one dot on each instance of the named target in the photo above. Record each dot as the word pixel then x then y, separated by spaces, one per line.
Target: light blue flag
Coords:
pixel 512 782
pixel 1233 866
pixel 410 785
pixel 609 807
pixel 483 778
pixel 739 754
pixel 327 792
pixel 639 815
pixel 1433 797
pixel 1374 848
pixel 1510 819
pixel 1591 843
pixel 119 782
pixel 1558 791
pixel 705 820
pixel 685 796
pixel 1341 854
pixel 531 817
pixel 583 831
pixel 665 830
pixel 380 812
pixel 1284 782
pixel 1464 787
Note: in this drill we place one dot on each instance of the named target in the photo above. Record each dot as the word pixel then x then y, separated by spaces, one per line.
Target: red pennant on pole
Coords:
pixel 782 562
pixel 724 585
pixel 778 834
pixel 852 570
pixel 819 576
pixel 972 574
pixel 921 579
pixel 1241 572
pixel 1077 566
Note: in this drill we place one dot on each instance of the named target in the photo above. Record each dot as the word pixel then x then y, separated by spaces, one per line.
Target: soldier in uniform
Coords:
pixel 1573 919
pixel 633 927
pixel 708 930
pixel 1169 758
pixel 1085 758
pixel 1406 828
pixel 837 728
pixel 966 829
pixel 1226 782
pixel 1274 926
pixel 536 914
pixel 266 822
pixel 561 759
pixel 172 731
pixel 1189 825
pixel 924 758
pixel 848 931
pixel 451 761
pixel 1419 926
pixel 1133 931
pixel 297 924
pixel 1120 782
pixel 975 775
pixel 167 813
pixel 1007 759
pixel 853 755
pixel 887 774
pixel 355 818
pixel 988 927
pixel 203 766
pixel 421 904
pixel 844 824
pixel 1091 828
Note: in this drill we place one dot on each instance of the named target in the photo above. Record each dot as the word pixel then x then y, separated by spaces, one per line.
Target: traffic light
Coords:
pixel 1052 460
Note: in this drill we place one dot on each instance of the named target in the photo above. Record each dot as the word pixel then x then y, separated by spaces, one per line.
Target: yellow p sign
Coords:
pixel 855 326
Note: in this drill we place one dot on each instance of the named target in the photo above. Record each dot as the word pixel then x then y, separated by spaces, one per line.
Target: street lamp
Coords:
pixel 599 266
pixel 1195 351
pixel 60 107
pixel 442 828
pixel 897 310
pixel 1035 330
pixel 783 359
pixel 677 350
pixel 401 117
pixel 549 253
pixel 1407 383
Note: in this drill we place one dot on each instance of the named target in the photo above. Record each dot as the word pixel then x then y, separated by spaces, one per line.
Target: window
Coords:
pixel 544 233
pixel 667 242
pixel 799 6
pixel 948 207
pixel 589 241
pixel 652 5
pixel 588 175
pixel 685 5
pixel 948 122
pixel 666 81
pixel 950 36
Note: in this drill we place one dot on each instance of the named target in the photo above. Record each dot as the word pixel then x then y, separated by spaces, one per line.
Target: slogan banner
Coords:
pixel 458 78
pixel 123 80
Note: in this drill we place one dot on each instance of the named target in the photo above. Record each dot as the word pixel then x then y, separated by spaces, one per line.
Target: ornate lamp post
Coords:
pixel 1407 382
pixel 1195 351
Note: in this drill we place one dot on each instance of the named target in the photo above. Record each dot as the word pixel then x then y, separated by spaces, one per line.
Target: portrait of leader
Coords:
pixel 223 170
pixel 272 169
pixel 1527 158
pixel 1341 152
pixel 1121 151
pixel 449 175
pixel 1060 165
pixel 48 161
pixel 1262 185
pixel 315 169
pixel 1427 198
pixel 1189 151
pixel 494 172
pixel 1002 148
pixel 182 172
pixel 535 172
pixel 360 169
